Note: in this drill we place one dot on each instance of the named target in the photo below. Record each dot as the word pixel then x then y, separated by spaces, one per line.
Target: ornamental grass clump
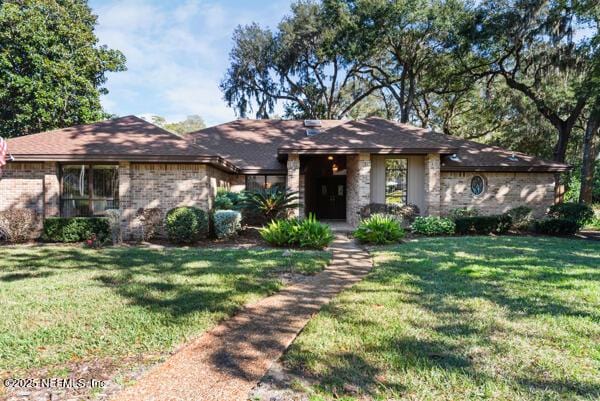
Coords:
pixel 306 233
pixel 379 229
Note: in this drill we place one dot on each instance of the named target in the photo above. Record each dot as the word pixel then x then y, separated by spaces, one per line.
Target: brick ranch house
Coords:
pixel 337 167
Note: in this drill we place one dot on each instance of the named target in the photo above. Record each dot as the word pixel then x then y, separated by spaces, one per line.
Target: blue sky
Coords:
pixel 177 53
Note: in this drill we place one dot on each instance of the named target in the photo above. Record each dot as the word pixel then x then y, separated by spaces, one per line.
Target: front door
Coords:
pixel 331 198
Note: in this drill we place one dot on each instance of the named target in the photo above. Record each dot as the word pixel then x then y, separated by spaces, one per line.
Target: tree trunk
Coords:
pixel 589 155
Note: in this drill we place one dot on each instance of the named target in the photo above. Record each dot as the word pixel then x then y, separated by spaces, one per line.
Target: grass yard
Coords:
pixel 63 305
pixel 469 318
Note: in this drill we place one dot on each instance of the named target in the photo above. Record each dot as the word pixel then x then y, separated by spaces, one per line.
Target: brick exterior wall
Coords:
pixel 358 185
pixel 432 185
pixel 293 179
pixel 164 186
pixel 217 179
pixel 30 186
pixel 502 191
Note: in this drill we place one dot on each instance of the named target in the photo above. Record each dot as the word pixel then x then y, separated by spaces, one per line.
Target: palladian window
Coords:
pixel 88 190
pixel 396 181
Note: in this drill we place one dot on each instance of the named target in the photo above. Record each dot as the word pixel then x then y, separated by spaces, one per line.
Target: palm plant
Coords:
pixel 272 203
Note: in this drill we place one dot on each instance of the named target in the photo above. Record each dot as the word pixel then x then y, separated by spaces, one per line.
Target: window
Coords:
pixel 396 181
pixel 259 182
pixel 477 185
pixel 89 190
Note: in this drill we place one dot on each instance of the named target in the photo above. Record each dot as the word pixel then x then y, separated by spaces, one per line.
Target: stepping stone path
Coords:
pixel 228 361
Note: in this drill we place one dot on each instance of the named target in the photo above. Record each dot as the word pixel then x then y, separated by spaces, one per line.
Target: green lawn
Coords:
pixel 470 318
pixel 66 304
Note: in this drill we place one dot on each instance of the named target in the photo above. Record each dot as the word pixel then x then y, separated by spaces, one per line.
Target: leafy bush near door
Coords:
pixel 306 233
pixel 433 225
pixel 405 213
pixel 379 229
pixel 271 203
pixel 17 225
pixel 494 224
pixel 186 224
pixel 76 229
pixel 226 223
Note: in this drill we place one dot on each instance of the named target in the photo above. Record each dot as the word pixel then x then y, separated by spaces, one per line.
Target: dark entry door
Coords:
pixel 331 198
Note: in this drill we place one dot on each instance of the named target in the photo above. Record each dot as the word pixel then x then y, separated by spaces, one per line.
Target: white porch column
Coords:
pixel 432 184
pixel 293 179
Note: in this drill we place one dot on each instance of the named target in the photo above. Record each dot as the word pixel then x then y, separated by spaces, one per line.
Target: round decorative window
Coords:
pixel 477 185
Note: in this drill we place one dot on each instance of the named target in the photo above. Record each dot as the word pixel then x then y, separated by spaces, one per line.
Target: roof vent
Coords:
pixel 312 123
pixel 312 132
pixel 513 158
pixel 454 157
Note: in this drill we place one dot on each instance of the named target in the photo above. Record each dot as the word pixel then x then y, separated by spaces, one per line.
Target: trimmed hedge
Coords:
pixel 186 224
pixel 580 213
pixel 555 226
pixel 75 229
pixel 494 224
pixel 227 223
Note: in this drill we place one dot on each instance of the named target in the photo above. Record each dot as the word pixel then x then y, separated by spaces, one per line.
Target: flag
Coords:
pixel 3 151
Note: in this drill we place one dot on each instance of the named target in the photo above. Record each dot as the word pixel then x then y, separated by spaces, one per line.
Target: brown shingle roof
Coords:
pixel 372 135
pixel 252 144
pixel 377 135
pixel 126 138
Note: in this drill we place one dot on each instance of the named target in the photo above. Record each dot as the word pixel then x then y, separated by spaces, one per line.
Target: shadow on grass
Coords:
pixel 525 277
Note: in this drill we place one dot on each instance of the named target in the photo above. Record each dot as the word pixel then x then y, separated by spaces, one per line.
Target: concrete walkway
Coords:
pixel 227 362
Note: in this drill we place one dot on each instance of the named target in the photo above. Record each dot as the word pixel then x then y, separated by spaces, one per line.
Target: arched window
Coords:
pixel 477 185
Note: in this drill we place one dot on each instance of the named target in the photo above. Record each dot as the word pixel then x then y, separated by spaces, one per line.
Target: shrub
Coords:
pixel 307 233
pixel 114 222
pixel 76 229
pixel 226 197
pixel 373 208
pixel 222 200
pixel 495 224
pixel 463 212
pixel 310 233
pixel 379 229
pixel 279 232
pixel 186 224
pixel 227 223
pixel 433 225
pixel 406 212
pixel 271 203
pixel 554 226
pixel 594 223
pixel 151 220
pixel 18 225
pixel 580 213
pixel 521 217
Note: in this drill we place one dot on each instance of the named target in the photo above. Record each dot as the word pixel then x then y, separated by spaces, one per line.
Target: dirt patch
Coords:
pixel 279 384
pixel 98 379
